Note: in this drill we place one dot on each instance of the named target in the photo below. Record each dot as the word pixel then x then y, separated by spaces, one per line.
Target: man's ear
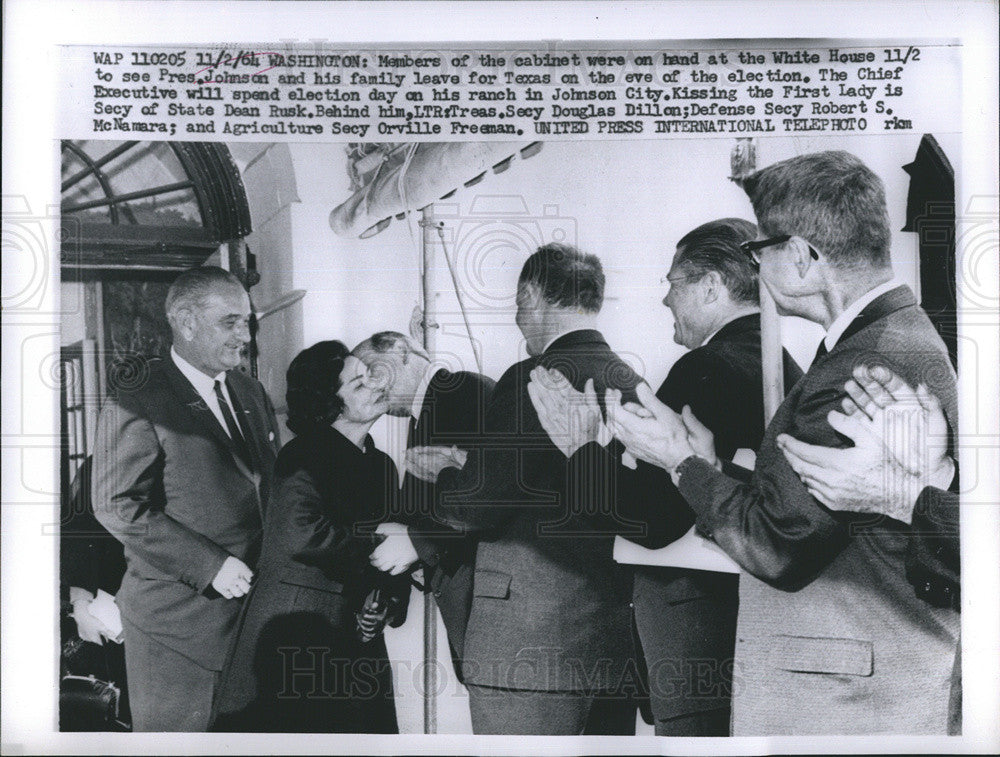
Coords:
pixel 801 255
pixel 417 349
pixel 186 325
pixel 532 295
pixel 710 284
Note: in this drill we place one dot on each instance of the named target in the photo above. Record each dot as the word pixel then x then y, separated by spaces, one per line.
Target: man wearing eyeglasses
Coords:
pixel 831 638
pixel 687 618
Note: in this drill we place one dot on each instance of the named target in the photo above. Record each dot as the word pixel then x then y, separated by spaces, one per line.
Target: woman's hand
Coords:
pixel 395 554
pixel 88 627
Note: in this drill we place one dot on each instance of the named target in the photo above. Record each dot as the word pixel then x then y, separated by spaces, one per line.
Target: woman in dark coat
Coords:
pixel 302 660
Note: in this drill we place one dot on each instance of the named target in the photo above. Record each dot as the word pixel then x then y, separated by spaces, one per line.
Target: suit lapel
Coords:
pixel 189 398
pixel 245 405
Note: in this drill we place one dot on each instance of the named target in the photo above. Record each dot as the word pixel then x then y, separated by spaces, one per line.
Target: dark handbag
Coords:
pixel 86 702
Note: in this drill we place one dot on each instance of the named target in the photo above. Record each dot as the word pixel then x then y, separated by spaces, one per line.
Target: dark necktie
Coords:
pixel 234 430
pixel 411 433
pixel 821 350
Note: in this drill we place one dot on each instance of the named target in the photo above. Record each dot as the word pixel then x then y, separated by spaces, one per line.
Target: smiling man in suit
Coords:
pixel 182 469
pixel 687 618
pixel 831 638
pixel 446 409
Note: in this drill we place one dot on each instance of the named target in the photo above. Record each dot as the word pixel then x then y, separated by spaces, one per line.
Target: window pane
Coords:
pixel 179 208
pixel 83 191
pixel 143 167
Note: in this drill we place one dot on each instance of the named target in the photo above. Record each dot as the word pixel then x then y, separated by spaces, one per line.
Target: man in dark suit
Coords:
pixel 446 410
pixel 548 648
pixel 182 469
pixel 831 638
pixel 686 618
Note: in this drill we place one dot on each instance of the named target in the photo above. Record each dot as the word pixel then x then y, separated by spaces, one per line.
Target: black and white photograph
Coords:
pixel 387 396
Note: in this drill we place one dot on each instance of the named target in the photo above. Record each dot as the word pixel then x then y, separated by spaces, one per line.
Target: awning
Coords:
pixel 397 178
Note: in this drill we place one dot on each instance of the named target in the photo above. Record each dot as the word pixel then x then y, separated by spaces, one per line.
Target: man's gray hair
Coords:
pixel 831 199
pixel 192 288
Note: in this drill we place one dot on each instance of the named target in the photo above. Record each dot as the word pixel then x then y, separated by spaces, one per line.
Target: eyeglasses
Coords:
pixel 752 247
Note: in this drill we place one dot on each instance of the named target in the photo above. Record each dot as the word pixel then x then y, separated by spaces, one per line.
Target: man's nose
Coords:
pixel 243 331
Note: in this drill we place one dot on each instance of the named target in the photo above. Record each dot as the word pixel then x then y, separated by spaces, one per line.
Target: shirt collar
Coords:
pixel 421 392
pixel 561 334
pixel 204 385
pixel 842 321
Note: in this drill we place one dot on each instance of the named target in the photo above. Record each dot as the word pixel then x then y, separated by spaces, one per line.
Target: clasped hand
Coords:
pixel 426 463
pixel 233 579
pixel 650 430
pixel 900 440
pixel 653 432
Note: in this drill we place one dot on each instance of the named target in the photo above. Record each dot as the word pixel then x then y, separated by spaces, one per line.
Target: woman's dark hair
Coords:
pixel 313 380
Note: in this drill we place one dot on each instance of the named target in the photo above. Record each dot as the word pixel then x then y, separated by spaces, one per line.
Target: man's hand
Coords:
pixel 700 436
pixel 426 463
pixel 900 443
pixel 651 432
pixel 915 430
pixel 233 579
pixel 570 418
pixel 396 553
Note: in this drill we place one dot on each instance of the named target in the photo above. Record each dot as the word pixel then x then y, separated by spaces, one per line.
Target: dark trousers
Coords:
pixel 550 713
pixel 686 621
pixel 167 691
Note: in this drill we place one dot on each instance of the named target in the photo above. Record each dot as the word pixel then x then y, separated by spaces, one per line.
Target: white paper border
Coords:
pixel 33 29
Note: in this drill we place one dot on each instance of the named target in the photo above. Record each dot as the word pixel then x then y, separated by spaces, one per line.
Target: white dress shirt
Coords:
pixel 205 386
pixel 842 321
pixel 421 393
pixel 561 334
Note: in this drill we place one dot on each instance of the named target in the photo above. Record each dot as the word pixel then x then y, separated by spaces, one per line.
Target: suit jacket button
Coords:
pixel 437 592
